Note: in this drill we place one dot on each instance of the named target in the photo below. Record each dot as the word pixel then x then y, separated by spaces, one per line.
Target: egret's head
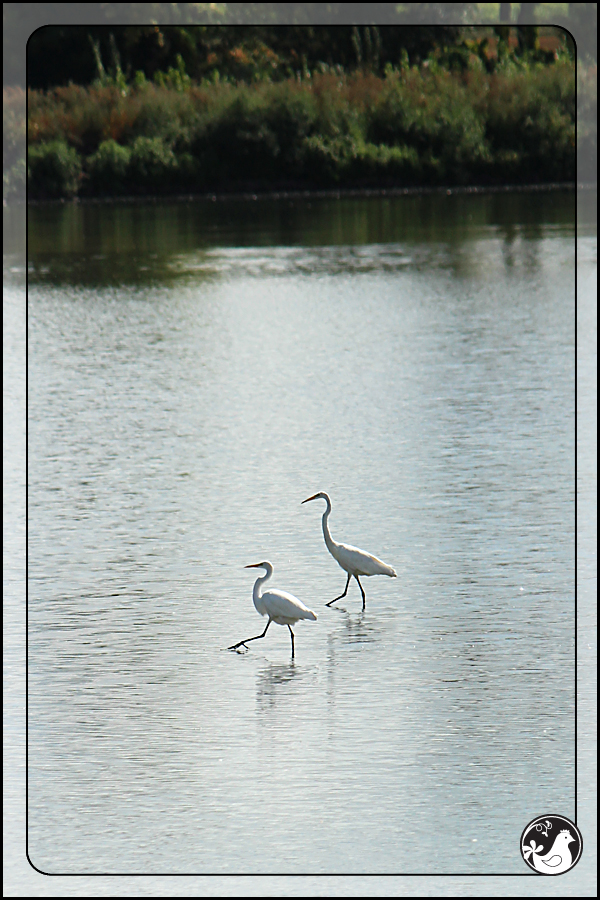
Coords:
pixel 261 565
pixel 320 496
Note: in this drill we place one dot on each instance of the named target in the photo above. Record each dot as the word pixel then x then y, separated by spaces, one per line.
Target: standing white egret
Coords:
pixel 354 561
pixel 281 607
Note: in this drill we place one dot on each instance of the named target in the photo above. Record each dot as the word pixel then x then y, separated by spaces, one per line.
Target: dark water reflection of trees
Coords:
pixel 144 243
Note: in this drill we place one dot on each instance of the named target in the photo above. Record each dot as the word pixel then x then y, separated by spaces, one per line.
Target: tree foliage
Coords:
pixel 65 54
pixel 58 55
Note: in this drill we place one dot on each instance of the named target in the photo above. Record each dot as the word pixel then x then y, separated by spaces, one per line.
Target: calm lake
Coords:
pixel 195 372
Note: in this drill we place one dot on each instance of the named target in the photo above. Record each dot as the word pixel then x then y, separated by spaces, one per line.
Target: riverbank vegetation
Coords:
pixel 454 110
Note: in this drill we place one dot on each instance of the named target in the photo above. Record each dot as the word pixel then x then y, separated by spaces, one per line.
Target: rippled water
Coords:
pixel 195 373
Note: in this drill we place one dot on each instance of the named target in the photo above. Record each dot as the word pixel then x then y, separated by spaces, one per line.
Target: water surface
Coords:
pixel 195 372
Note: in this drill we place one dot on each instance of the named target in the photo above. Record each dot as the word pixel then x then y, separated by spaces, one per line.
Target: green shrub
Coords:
pixel 435 116
pixel 291 117
pixel 328 160
pixel 108 169
pixel 158 113
pixel 53 170
pixel 530 121
pixel 238 143
pixel 378 164
pixel 152 166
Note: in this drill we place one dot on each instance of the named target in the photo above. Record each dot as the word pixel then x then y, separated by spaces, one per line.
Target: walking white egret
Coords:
pixel 281 607
pixel 354 561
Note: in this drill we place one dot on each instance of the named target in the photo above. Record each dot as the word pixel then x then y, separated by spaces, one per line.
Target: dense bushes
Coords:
pixel 530 123
pixel 108 168
pixel 415 126
pixel 444 126
pixel 54 170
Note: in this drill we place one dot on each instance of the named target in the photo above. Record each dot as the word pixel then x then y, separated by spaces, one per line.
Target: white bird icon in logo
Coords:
pixel 557 860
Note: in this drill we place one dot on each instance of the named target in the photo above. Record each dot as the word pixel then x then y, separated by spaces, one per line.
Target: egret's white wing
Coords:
pixel 280 604
pixel 359 562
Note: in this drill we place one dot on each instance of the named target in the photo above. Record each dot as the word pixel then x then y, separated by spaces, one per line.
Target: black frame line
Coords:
pixel 525 874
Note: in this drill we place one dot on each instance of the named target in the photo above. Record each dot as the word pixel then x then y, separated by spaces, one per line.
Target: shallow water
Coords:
pixel 195 372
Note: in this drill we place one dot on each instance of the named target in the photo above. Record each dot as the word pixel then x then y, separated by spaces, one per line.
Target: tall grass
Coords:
pixel 412 127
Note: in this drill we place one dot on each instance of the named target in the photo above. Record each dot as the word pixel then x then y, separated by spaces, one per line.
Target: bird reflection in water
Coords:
pixel 274 683
pixel 357 629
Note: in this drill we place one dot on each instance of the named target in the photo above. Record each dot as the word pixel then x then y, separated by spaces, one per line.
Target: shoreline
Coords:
pixel 330 194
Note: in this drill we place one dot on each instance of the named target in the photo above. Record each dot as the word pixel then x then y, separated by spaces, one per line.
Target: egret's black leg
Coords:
pixel 361 590
pixel 243 643
pixel 292 634
pixel 341 595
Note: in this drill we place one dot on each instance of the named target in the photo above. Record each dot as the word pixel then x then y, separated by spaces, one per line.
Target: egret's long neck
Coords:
pixel 326 532
pixel 258 585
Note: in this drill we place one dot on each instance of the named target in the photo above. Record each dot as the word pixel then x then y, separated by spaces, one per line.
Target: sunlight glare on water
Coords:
pixel 193 376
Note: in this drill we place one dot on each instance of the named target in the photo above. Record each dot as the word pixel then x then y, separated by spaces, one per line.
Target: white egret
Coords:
pixel 354 561
pixel 281 607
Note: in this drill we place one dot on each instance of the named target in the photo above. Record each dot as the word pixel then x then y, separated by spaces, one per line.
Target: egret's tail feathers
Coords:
pixel 310 615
